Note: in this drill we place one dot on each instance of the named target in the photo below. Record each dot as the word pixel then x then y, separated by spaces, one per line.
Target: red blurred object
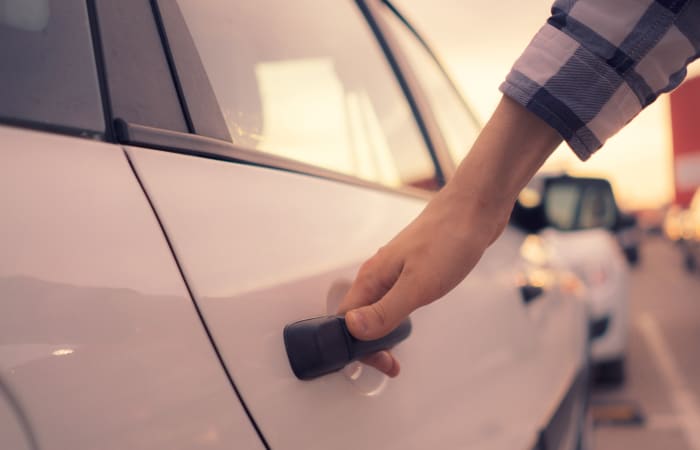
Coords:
pixel 685 125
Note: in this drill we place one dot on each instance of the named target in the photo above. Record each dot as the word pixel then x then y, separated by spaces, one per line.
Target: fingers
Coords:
pixel 377 319
pixel 383 362
pixel 375 277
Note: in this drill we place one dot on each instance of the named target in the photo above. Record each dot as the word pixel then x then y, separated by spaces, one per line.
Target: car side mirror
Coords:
pixel 625 221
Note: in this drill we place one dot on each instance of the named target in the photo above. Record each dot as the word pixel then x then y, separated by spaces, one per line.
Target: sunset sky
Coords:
pixel 479 41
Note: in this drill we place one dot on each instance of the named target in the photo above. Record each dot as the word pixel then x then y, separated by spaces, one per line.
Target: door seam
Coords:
pixel 194 303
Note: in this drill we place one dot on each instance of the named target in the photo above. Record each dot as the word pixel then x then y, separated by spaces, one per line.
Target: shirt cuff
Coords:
pixel 572 89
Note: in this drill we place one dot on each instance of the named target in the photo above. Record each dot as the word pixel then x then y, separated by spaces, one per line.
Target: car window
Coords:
pixel 317 91
pixel 597 208
pixel 561 204
pixel 458 125
pixel 47 70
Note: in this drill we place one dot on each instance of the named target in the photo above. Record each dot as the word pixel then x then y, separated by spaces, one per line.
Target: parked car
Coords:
pixel 575 217
pixel 689 237
pixel 629 236
pixel 182 179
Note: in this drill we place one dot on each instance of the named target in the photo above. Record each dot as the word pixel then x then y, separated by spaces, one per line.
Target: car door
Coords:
pixel 325 163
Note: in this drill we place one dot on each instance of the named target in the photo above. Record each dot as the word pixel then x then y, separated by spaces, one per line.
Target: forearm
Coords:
pixel 441 246
pixel 510 149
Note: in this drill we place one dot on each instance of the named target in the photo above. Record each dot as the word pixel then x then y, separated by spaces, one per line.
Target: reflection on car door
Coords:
pixel 100 344
pixel 261 248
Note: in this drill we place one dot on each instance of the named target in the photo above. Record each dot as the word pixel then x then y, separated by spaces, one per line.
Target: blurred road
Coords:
pixel 663 375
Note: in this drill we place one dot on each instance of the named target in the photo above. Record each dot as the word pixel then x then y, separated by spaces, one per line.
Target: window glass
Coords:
pixel 457 124
pixel 48 73
pixel 560 203
pixel 597 208
pixel 307 80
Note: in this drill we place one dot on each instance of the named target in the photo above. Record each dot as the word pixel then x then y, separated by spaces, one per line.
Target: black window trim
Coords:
pixel 411 87
pixel 197 98
pixel 437 60
pixel 100 68
pixel 123 93
pixel 414 86
pixel 403 76
pixel 36 125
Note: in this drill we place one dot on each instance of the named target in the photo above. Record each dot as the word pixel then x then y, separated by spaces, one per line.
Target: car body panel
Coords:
pixel 104 253
pixel 99 340
pixel 261 248
pixel 13 432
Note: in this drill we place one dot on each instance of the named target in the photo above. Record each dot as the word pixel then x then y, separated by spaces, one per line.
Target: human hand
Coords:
pixel 442 245
pixel 421 264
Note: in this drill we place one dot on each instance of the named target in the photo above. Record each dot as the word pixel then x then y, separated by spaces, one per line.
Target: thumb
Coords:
pixel 380 318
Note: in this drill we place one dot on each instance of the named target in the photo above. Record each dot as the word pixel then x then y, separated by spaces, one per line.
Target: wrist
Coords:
pixel 512 147
pixel 472 214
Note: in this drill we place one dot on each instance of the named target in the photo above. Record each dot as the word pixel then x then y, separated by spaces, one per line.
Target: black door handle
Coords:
pixel 530 292
pixel 323 345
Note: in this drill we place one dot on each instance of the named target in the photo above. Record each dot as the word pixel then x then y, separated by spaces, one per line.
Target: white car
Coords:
pixel 574 217
pixel 182 179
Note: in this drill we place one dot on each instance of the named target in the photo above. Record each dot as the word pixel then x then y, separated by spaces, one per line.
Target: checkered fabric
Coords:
pixel 597 63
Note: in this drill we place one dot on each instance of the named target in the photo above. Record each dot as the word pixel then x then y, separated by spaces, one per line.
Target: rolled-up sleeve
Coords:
pixel 596 64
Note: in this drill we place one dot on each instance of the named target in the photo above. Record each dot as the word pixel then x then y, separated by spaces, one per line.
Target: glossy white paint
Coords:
pixel 12 434
pixel 596 257
pixel 261 248
pixel 99 340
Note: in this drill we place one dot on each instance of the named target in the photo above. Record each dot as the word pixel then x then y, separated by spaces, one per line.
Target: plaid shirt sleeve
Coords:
pixel 596 64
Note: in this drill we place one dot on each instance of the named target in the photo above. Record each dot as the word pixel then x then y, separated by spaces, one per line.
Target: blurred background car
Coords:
pixel 576 217
pixel 674 223
pixel 629 236
pixel 689 234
